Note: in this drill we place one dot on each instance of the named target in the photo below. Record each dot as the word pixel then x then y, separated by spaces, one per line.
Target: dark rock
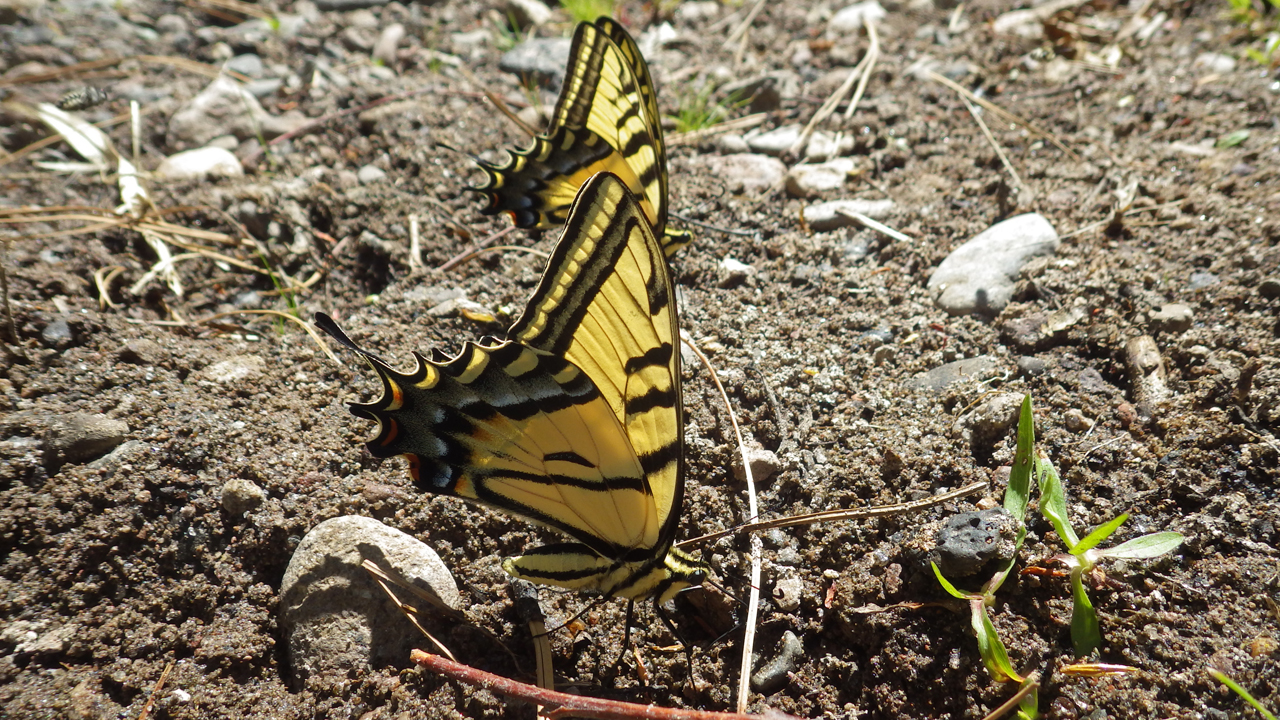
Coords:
pixel 968 541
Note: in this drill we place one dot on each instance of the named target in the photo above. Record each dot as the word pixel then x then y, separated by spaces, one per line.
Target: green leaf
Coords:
pixel 1029 708
pixel 946 585
pixel 990 587
pixel 1146 546
pixel 1053 502
pixel 1018 494
pixel 1100 533
pixel 1237 689
pixel 1086 635
pixel 1233 139
pixel 994 656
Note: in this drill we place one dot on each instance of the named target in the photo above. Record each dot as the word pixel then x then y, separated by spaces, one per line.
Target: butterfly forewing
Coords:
pixel 606 303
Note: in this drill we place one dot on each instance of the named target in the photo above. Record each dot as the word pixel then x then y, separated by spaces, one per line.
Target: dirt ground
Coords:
pixel 117 565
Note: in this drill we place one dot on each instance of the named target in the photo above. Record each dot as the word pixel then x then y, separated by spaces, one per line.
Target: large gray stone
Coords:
pixel 979 276
pixel 336 619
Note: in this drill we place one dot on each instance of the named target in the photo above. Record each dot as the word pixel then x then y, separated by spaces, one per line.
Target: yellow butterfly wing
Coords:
pixel 575 421
pixel 606 120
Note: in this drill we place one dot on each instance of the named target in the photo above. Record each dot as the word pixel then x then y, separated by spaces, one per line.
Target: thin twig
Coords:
pixel 155 692
pixel 568 705
pixel 415 243
pixel 757 548
pixel 1008 166
pixel 731 41
pixel 694 137
pixel 1005 114
pixel 834 515
pixel 209 320
pixel 474 249
pixel 874 225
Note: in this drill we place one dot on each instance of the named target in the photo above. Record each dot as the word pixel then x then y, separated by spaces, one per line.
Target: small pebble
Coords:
pixel 808 180
pixel 773 675
pixel 764 465
pixel 370 174
pixel 776 141
pixel 734 273
pixel 787 592
pixel 240 496
pixel 1076 421
pixel 1173 318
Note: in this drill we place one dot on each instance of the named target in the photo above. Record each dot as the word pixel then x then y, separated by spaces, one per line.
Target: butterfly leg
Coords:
pixel 675 632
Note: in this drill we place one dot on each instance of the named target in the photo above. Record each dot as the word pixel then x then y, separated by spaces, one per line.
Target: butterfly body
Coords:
pixel 575 421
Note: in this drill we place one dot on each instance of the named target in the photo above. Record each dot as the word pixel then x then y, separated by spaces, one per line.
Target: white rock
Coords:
pixel 744 172
pixel 224 107
pixel 825 216
pixel 200 163
pixel 807 180
pixel 732 143
pixel 1215 62
pixel 370 174
pixel 823 145
pixel 852 18
pixel 384 51
pixel 233 369
pixel 979 276
pixel 698 10
pixel 528 12
pixel 733 272
pixel 336 620
pixel 656 38
pixel 776 141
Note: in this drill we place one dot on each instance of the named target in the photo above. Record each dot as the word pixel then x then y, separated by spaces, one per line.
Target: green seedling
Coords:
pixel 1268 52
pixel 1235 687
pixel 1083 555
pixel 1016 497
pixel 587 10
pixel 290 299
pixel 697 111
pixel 509 34
pixel 1233 139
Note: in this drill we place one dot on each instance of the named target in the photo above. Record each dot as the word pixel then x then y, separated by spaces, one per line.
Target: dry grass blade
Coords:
pixel 525 597
pixel 1004 114
pixel 501 104
pixel 236 6
pixel 210 321
pixel 861 73
pixel 834 515
pixel 102 278
pixel 569 705
pixel 46 142
pixel 1008 166
pixel 693 137
pixel 741 31
pixel 386 578
pixel 757 547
